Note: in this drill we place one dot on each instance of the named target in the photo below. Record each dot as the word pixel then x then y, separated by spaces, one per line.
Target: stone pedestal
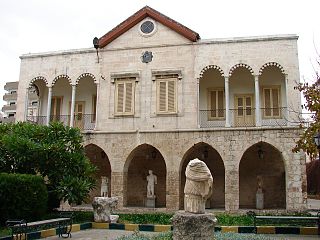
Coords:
pixel 190 226
pixel 151 202
pixel 259 200
pixel 102 207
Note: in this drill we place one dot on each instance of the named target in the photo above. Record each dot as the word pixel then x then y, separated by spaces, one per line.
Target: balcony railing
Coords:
pixel 242 117
pixel 81 121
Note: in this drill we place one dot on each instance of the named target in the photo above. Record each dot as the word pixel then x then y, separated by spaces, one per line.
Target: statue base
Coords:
pixel 190 226
pixel 151 202
pixel 259 200
pixel 102 208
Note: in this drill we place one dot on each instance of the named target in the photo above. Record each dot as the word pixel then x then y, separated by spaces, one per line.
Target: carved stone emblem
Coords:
pixel 146 57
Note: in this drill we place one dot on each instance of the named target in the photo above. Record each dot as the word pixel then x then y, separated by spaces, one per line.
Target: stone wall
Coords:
pixel 230 144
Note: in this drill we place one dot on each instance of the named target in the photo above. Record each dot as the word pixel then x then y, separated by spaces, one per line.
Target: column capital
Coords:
pixel 226 77
pixel 256 77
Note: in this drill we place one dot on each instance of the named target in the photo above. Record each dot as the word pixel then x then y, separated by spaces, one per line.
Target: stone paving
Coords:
pixel 104 234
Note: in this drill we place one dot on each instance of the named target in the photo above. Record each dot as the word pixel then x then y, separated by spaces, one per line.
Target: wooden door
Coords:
pixel 79 115
pixel 56 106
pixel 244 112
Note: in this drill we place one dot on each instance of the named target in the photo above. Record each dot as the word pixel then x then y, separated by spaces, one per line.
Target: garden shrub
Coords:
pixel 22 196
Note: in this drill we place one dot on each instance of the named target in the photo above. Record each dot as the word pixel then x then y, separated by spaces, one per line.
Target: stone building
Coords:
pixel 153 96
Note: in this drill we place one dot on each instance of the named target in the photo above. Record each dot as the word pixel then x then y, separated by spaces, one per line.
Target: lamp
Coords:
pixel 205 153
pixel 316 139
pixel 153 153
pixel 96 46
pixel 260 152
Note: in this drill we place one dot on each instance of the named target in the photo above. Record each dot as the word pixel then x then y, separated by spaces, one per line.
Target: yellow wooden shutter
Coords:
pixel 120 97
pixel 213 99
pixel 171 96
pixel 275 102
pixel 128 97
pixel 162 96
pixel 267 102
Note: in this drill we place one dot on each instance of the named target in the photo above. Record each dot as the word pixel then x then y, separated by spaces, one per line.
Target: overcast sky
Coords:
pixel 29 26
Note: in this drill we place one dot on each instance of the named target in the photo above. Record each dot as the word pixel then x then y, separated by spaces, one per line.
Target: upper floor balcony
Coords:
pixel 239 98
pixel 6 108
pixel 11 86
pixel 10 97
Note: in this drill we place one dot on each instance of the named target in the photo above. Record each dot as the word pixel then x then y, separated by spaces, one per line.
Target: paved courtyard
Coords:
pixel 104 234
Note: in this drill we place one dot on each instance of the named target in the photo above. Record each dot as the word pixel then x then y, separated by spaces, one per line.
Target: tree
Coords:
pixel 55 152
pixel 311 94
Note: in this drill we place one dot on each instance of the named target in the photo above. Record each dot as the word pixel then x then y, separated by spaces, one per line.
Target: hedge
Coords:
pixel 22 196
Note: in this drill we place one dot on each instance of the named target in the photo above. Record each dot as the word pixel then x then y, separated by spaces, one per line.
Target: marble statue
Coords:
pixel 259 193
pixel 198 187
pixel 152 180
pixel 104 186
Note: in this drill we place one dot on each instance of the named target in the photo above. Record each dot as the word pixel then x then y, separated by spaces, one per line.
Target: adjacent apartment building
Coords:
pixel 11 96
pixel 152 95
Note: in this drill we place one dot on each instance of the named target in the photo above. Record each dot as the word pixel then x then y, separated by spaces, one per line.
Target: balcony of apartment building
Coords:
pixel 73 104
pixel 9 107
pixel 11 86
pixel 242 99
pixel 10 96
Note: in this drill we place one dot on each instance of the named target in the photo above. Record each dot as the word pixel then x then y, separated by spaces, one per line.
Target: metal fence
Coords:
pixel 81 121
pixel 243 117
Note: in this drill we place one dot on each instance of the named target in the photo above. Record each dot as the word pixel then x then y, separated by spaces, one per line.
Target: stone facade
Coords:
pixel 220 129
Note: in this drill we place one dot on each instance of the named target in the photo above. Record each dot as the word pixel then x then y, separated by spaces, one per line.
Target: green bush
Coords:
pixel 146 218
pixel 22 196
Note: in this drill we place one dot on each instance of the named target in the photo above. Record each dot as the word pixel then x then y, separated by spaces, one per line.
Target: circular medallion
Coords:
pixel 147 27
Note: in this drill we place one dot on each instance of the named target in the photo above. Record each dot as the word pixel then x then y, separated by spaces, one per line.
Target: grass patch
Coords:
pixel 4 232
pixel 146 218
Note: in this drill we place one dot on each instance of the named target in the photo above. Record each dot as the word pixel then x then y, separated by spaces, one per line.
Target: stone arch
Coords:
pixel 143 158
pixel 101 160
pixel 243 65
pixel 61 76
pixel 210 67
pixel 41 78
pixel 269 64
pixel 262 165
pixel 83 75
pixel 212 158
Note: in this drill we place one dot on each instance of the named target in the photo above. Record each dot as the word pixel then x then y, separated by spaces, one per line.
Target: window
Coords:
pixel 216 104
pixel 271 97
pixel 147 27
pixel 12 103
pixel 124 96
pixel 13 92
pixel 34 103
pixel 166 94
pixel 56 105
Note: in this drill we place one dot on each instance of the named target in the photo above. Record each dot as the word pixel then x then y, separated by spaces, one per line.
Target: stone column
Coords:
pixel 231 189
pixel 26 104
pixel 295 196
pixel 118 187
pixel 173 187
pixel 257 100
pixel 286 112
pixel 49 105
pixel 73 101
pixel 227 100
pixel 198 102
pixel 97 101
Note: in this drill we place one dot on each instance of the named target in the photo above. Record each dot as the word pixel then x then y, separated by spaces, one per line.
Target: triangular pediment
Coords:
pixel 138 17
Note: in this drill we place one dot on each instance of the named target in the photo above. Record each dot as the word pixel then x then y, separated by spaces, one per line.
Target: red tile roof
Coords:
pixel 139 16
